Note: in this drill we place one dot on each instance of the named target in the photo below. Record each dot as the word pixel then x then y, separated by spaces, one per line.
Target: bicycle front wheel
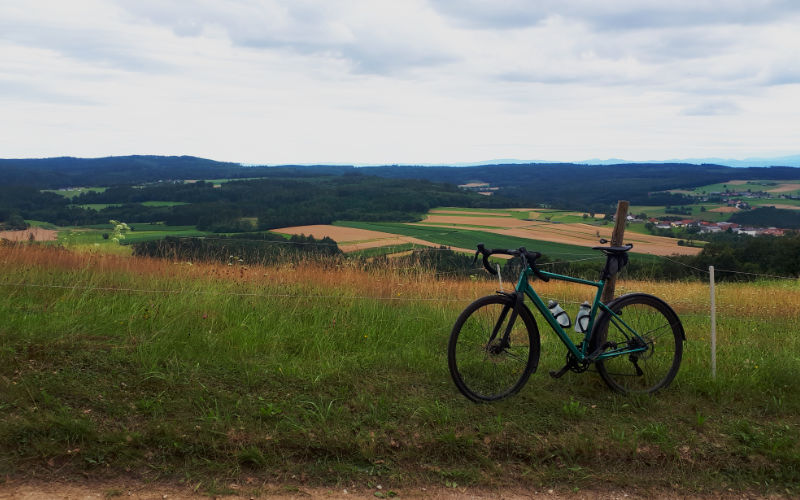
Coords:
pixel 493 348
pixel 660 333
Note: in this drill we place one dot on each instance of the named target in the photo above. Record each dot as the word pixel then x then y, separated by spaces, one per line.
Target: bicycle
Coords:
pixel 635 341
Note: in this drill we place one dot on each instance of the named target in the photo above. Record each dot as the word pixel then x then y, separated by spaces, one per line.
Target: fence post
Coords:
pixel 616 240
pixel 713 325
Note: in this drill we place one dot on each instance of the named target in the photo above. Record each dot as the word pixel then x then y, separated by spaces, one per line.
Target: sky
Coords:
pixel 400 81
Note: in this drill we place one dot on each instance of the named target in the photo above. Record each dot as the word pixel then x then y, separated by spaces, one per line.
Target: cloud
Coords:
pixel 395 37
pixel 18 90
pixel 614 14
pixel 712 108
pixel 79 38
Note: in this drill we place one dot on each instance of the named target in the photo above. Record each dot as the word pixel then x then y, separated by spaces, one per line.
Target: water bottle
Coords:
pixel 559 314
pixel 582 319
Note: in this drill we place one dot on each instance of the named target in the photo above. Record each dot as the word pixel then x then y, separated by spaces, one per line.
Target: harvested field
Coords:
pixel 724 210
pixel 460 212
pixel 504 222
pixel 737 183
pixel 588 236
pixel 784 206
pixel 38 233
pixel 351 239
pixel 785 188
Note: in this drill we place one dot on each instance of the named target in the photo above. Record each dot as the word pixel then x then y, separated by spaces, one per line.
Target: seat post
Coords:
pixel 616 240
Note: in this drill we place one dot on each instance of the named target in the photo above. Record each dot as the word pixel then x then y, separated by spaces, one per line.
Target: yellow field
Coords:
pixel 38 233
pixel 351 239
pixel 784 188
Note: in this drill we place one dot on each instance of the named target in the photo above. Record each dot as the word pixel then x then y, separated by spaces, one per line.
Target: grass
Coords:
pixel 304 373
pixel 163 203
pixel 696 212
pixel 387 250
pixel 72 193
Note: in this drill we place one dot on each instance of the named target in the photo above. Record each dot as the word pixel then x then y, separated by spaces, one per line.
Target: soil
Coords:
pixel 136 490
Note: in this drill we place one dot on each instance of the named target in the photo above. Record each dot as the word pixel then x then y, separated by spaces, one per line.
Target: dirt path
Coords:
pixel 90 490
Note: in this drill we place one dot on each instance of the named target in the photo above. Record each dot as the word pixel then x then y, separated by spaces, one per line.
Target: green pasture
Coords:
pixel 766 202
pixel 93 235
pixel 98 206
pixel 754 185
pixel 212 382
pixel 697 212
pixel 72 193
pixel 536 214
pixel 387 250
pixel 163 203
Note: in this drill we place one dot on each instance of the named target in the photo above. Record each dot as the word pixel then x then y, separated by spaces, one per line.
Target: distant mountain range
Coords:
pixel 778 161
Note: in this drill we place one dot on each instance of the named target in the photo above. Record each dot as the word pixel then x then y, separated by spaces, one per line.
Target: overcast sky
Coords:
pixel 400 81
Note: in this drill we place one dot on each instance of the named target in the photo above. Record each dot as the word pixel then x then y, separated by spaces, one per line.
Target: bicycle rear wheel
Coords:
pixel 484 367
pixel 660 333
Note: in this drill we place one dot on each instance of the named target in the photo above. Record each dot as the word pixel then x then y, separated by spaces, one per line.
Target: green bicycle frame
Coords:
pixel 524 286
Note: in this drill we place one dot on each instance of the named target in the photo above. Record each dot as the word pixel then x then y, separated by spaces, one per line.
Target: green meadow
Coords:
pixel 306 373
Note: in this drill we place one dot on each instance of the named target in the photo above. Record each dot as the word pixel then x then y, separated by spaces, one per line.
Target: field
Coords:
pixel 35 233
pixel 230 378
pixel 463 229
pixel 351 239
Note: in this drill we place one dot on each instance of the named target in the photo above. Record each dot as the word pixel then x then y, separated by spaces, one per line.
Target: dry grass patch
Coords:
pixel 725 210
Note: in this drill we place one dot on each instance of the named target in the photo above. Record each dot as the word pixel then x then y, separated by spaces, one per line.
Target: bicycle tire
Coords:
pixel 483 371
pixel 662 332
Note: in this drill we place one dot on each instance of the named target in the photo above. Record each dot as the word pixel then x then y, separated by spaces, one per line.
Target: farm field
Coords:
pixel 777 187
pixel 350 239
pixel 33 232
pixel 567 233
pixel 214 375
pixel 462 230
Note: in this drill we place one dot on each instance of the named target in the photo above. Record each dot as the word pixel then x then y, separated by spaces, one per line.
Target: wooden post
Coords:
pixel 616 240
pixel 713 324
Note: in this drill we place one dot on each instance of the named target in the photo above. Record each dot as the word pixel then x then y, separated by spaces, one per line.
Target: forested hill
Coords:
pixel 564 185
pixel 54 173
pixel 586 187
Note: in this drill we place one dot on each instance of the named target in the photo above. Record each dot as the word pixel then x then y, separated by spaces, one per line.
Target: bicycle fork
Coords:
pixel 504 343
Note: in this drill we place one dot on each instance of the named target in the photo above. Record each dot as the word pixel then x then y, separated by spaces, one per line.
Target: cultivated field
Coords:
pixel 785 188
pixel 35 233
pixel 577 234
pixel 353 239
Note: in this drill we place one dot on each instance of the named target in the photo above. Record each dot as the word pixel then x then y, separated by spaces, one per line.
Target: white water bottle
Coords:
pixel 582 319
pixel 559 314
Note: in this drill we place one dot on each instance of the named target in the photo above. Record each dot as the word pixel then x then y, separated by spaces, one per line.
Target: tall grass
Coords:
pixel 336 374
